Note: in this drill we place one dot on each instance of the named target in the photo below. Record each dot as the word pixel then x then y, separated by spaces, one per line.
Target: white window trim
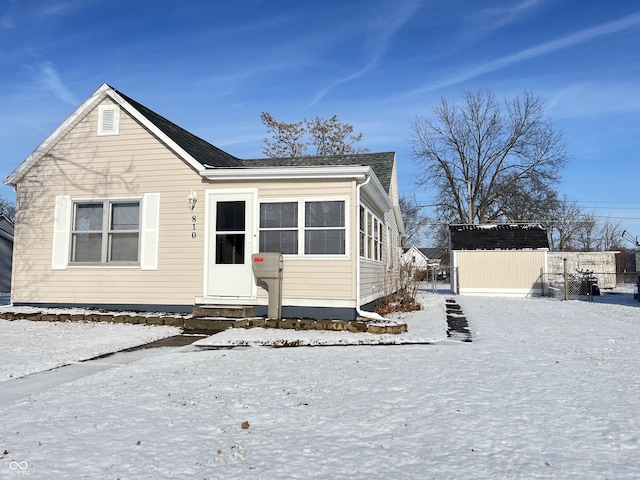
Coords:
pixel 105 230
pixel 369 256
pixel 301 201
pixel 148 233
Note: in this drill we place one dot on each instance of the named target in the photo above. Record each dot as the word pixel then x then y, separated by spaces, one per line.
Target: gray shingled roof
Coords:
pixel 201 150
pixel 381 163
pixel 211 156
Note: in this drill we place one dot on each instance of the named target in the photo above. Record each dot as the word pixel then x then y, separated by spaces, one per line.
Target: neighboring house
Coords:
pixel 498 259
pixel 426 260
pixel 6 253
pixel 415 257
pixel 120 208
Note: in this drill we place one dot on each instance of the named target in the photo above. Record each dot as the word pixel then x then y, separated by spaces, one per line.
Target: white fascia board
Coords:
pixel 374 189
pixel 287 173
pixel 155 130
pixel 377 194
pixel 57 134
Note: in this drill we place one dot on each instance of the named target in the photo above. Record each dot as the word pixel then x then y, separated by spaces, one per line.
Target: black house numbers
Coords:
pixel 193 222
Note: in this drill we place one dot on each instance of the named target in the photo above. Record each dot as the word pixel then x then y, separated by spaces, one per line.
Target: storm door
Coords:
pixel 230 245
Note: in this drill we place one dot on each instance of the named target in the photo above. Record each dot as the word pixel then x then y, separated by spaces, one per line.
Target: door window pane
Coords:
pixel 229 248
pixel 230 216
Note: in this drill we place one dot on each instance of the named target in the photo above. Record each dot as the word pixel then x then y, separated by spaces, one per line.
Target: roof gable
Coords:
pixel 498 237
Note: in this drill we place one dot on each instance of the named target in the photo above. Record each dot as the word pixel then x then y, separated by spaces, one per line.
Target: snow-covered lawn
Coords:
pixel 29 347
pixel 547 389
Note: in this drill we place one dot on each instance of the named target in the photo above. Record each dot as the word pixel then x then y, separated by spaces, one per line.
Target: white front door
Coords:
pixel 230 244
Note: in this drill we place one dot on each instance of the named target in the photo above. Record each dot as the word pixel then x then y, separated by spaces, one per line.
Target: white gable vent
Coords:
pixel 108 120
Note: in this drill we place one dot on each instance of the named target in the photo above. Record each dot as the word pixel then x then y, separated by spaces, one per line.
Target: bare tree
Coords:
pixel 415 222
pixel 610 235
pixel 7 208
pixel 478 154
pixel 286 137
pixel 586 228
pixel 329 136
pixel 562 225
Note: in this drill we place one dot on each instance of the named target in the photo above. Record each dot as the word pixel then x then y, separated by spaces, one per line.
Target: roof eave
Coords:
pixel 359 173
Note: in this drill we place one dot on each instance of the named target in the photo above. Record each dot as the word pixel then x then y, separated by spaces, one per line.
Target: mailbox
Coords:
pixel 267 268
pixel 267 265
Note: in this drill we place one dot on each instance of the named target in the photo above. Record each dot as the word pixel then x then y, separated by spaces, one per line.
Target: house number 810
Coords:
pixel 193 222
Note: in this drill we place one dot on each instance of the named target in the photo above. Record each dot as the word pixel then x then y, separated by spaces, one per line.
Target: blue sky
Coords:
pixel 213 66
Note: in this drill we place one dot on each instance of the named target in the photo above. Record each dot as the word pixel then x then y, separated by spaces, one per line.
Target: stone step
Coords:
pixel 226 311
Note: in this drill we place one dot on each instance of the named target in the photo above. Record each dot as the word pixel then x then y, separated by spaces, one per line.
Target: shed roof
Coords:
pixel 498 237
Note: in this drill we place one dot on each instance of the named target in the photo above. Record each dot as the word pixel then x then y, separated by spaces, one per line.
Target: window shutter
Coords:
pixel 149 231
pixel 61 233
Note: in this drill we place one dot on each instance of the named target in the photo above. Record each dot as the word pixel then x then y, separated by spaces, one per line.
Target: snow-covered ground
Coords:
pixel 29 347
pixel 547 389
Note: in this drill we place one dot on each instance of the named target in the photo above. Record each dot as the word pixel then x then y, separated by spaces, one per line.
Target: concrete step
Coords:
pixel 218 324
pixel 225 311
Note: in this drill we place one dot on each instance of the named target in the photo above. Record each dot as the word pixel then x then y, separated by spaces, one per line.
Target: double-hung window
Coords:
pixel 303 227
pixel 279 227
pixel 370 235
pixel 106 232
pixel 324 228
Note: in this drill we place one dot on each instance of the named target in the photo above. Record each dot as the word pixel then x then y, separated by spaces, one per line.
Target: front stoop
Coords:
pixel 223 311
pixel 207 324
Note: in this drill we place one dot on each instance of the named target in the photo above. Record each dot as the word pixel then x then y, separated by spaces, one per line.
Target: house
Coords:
pixel 415 257
pixel 425 260
pixel 498 259
pixel 119 208
pixel 6 253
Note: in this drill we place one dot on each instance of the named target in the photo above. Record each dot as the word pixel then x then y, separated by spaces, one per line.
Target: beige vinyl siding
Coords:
pixel 500 271
pixel 87 166
pixel 314 278
pixel 378 279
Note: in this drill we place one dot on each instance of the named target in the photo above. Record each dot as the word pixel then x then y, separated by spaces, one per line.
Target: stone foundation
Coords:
pixel 204 324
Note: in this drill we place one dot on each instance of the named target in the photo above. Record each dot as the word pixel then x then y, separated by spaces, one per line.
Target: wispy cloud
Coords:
pixel 7 20
pixel 381 36
pixel 577 38
pixel 498 17
pixel 52 83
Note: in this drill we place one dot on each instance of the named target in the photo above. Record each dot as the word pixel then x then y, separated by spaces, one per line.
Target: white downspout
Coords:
pixel 361 313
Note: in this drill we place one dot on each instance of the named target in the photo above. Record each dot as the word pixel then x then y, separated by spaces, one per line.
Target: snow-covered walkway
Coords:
pixel 547 389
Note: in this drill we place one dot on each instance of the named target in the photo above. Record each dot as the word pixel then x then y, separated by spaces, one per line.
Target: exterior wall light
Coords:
pixel 192 199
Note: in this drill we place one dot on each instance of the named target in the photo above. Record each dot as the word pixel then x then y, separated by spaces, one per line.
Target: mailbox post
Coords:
pixel 267 268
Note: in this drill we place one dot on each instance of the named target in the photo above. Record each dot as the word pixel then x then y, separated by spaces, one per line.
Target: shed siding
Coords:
pixel 500 271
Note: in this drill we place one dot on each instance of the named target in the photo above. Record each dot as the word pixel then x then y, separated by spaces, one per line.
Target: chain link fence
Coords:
pixel 588 285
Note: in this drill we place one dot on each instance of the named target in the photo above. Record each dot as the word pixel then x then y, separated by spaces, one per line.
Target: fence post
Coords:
pixel 566 279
